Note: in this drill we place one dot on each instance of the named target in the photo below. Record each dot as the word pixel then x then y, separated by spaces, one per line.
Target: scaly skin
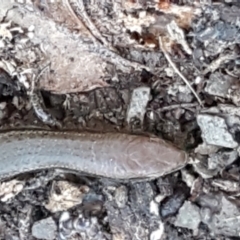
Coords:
pixel 111 155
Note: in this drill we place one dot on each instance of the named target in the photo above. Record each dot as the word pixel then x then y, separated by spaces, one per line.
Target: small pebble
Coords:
pixel 188 217
pixel 171 204
pixel 121 197
pixel 44 229
pixel 137 107
pixel 215 131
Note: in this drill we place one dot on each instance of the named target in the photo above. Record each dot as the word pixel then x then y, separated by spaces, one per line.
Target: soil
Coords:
pixel 84 61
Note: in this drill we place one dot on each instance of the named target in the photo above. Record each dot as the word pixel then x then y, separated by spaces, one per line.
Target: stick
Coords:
pixel 177 71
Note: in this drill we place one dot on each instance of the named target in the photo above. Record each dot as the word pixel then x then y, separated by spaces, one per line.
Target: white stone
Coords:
pixel 139 100
pixel 215 131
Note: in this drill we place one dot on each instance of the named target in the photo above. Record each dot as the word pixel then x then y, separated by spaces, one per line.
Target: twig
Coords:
pixel 235 218
pixel 67 4
pixel 116 59
pixel 108 53
pixel 87 22
pixel 177 34
pixel 36 78
pixel 230 73
pixel 182 105
pixel 214 65
pixel 105 50
pixel 177 71
pixel 37 102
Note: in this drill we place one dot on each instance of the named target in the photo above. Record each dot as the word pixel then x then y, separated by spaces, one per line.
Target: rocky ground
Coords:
pixel 170 68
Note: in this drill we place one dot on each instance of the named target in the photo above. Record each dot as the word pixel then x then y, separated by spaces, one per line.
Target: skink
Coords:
pixel 110 155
